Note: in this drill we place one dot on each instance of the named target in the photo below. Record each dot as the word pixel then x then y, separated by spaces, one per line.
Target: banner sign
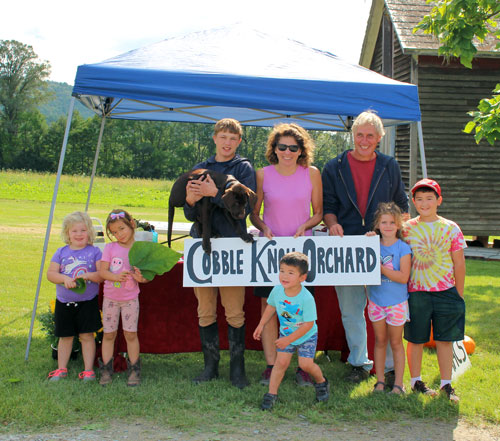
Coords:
pixel 333 260
pixel 461 361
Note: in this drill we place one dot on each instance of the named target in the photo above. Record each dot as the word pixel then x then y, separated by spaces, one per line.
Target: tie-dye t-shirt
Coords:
pixel 432 244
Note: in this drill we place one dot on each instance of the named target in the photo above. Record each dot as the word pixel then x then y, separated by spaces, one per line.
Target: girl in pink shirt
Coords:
pixel 121 297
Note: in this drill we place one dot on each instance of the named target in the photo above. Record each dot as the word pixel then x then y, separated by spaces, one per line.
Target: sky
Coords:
pixel 68 33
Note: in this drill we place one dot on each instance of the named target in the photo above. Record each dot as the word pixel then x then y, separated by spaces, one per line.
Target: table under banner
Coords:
pixel 168 321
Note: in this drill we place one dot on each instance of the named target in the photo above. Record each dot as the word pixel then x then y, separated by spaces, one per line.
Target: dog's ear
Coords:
pixel 252 198
pixel 228 198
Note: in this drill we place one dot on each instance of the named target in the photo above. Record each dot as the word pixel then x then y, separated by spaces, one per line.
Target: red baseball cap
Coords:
pixel 429 183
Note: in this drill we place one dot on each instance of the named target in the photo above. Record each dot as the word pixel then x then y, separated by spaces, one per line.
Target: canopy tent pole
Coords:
pixel 422 150
pixel 49 224
pixel 94 167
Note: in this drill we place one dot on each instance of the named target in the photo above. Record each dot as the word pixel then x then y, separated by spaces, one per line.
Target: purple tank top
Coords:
pixel 287 200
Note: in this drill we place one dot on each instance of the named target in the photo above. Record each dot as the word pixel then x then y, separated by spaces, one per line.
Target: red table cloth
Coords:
pixel 168 322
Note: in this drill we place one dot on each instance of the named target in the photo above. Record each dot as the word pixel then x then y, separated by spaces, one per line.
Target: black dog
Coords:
pixel 235 197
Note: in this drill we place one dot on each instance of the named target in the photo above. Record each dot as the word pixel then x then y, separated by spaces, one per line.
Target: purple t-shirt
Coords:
pixel 73 263
pixel 117 256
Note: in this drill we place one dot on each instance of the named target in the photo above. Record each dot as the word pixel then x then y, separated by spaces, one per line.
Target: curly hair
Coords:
pixel 303 139
pixel 121 215
pixel 76 218
pixel 391 209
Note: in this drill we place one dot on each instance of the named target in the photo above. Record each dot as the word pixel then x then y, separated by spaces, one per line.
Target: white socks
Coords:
pixel 414 380
pixel 445 382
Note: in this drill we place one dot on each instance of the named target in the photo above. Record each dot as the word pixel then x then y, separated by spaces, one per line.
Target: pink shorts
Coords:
pixel 111 310
pixel 394 315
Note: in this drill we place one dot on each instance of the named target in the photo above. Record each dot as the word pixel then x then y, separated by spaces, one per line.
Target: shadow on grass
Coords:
pixel 168 396
pixel 8 325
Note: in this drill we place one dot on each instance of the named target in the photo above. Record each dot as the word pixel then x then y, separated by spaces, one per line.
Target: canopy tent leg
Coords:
pixel 94 167
pixel 49 224
pixel 422 150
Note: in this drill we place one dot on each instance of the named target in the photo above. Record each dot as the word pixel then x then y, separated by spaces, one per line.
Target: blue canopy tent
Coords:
pixel 256 78
pixel 237 72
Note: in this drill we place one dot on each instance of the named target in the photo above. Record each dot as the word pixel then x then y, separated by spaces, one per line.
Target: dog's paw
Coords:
pixel 247 238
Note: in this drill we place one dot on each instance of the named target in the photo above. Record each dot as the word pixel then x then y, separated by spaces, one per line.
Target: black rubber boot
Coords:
pixel 209 336
pixel 236 337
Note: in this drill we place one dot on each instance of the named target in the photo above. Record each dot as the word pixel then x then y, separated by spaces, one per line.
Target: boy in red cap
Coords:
pixel 436 286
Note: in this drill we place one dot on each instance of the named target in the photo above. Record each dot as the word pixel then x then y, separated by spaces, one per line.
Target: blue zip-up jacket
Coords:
pixel 242 170
pixel 339 194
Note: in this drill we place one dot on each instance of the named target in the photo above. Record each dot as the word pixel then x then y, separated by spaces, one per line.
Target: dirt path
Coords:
pixel 27 230
pixel 145 431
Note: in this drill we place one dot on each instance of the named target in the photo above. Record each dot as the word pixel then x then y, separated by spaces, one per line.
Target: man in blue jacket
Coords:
pixel 354 183
pixel 227 138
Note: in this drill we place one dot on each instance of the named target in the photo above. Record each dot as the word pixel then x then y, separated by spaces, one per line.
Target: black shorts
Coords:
pixel 264 291
pixel 444 309
pixel 76 318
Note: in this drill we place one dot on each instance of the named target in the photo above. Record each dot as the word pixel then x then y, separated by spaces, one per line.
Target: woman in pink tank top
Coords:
pixel 288 187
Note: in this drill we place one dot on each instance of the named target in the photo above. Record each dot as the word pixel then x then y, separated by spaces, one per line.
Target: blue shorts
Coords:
pixel 306 349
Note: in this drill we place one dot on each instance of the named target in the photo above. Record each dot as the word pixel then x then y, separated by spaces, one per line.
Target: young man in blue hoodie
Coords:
pixel 227 138
pixel 354 183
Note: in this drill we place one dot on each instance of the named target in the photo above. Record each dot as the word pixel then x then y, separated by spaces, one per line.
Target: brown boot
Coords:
pixel 106 371
pixel 134 373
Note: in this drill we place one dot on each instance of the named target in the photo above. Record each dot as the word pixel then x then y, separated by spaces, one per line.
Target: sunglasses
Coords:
pixel 293 148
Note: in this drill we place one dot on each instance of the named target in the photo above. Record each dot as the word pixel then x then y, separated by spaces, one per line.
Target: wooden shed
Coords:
pixel 469 174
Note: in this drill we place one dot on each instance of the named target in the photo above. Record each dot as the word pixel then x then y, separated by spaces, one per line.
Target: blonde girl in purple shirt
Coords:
pixel 76 314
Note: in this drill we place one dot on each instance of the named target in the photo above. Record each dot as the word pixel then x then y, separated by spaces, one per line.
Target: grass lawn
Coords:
pixel 167 395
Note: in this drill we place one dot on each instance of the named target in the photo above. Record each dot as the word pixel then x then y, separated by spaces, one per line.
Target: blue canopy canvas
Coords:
pixel 239 72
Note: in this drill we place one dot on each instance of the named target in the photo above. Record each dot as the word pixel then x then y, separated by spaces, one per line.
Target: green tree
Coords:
pixel 456 24
pixel 52 142
pixel 31 153
pixel 328 146
pixel 22 88
pixel 253 145
pixel 81 144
